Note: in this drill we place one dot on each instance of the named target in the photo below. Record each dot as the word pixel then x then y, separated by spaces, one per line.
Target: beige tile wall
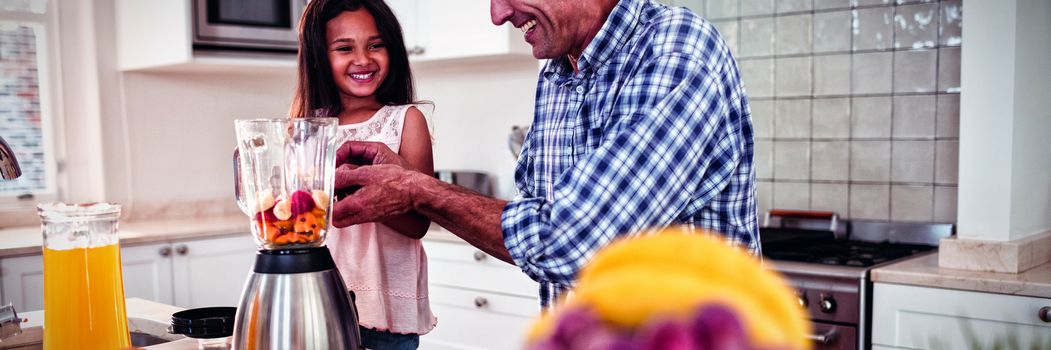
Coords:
pixel 855 102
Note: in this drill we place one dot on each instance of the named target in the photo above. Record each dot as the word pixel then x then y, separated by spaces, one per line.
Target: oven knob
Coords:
pixel 828 304
pixel 803 302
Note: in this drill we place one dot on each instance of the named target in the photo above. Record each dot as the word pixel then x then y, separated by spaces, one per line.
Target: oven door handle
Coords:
pixel 823 338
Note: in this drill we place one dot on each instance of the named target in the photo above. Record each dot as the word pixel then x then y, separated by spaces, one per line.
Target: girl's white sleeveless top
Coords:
pixel 386 270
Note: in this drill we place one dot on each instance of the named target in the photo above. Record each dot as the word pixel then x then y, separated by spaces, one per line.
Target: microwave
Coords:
pixel 252 25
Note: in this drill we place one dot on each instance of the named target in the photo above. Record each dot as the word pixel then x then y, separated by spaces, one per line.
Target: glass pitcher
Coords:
pixel 83 287
pixel 284 171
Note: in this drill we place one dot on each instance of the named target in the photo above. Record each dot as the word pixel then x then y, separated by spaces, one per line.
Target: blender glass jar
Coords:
pixel 285 173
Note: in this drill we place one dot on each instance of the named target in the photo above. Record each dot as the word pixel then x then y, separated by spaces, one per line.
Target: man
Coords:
pixel 641 122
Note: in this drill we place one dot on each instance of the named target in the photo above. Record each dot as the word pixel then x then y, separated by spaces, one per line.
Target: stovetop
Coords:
pixel 840 252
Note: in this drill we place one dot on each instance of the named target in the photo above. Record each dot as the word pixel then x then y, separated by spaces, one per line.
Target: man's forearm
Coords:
pixel 473 217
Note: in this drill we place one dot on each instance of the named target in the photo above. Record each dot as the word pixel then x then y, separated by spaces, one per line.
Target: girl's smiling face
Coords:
pixel 357 54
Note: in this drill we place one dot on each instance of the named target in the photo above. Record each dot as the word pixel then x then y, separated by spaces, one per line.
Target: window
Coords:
pixel 26 116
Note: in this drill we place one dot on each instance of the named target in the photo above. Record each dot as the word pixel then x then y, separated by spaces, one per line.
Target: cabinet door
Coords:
pixel 147 272
pixel 211 272
pixel 23 282
pixel 931 318
pixel 405 10
pixel 460 28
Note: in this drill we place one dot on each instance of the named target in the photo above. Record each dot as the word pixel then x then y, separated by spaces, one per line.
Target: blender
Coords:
pixel 294 298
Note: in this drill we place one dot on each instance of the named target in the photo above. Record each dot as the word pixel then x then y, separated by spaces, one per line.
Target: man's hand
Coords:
pixel 382 180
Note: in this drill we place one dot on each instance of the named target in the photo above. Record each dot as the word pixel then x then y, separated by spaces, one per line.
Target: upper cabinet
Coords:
pixel 451 29
pixel 158 35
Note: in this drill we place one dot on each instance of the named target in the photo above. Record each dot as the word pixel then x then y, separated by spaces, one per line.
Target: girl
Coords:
pixel 353 65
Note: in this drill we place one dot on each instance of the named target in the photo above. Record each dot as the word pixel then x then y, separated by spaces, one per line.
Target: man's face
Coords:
pixel 554 28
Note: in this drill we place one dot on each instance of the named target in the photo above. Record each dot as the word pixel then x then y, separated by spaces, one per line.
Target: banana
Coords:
pixel 321 199
pixel 265 200
pixel 283 209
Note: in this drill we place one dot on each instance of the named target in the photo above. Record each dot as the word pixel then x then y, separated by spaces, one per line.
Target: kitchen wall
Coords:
pixel 180 125
pixel 162 140
pixel 476 105
pixel 855 102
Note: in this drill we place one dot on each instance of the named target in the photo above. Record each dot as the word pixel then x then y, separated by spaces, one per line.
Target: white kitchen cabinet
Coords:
pixel 23 282
pixel 147 272
pixel 211 272
pixel 188 274
pixel 455 29
pixel 931 318
pixel 158 36
pixel 480 302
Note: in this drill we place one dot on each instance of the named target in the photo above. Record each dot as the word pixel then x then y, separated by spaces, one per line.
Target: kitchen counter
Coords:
pixel 27 240
pixel 144 316
pixel 924 271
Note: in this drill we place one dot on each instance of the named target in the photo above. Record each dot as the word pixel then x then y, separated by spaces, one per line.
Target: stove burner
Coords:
pixel 825 249
pixel 831 260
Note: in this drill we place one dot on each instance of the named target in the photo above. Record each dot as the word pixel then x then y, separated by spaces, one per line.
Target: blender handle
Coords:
pixel 238 190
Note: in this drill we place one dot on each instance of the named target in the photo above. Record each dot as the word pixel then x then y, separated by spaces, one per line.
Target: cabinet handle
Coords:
pixel 1045 314
pixel 823 339
pixel 416 50
pixel 182 249
pixel 166 251
pixel 481 302
pixel 479 255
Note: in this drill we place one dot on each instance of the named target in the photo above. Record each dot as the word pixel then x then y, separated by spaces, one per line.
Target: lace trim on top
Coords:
pixel 374 129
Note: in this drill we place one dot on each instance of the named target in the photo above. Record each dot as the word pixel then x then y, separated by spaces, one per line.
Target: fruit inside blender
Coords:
pixel 296 219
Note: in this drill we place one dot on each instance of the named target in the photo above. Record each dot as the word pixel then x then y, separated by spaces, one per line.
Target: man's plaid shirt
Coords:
pixel 654 130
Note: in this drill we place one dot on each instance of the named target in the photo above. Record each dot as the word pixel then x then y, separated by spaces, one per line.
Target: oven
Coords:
pixel 254 25
pixel 827 262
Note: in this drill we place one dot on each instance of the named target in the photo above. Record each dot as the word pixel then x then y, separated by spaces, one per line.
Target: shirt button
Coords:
pixel 580 89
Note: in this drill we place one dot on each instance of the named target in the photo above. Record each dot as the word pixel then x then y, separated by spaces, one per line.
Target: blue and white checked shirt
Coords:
pixel 653 131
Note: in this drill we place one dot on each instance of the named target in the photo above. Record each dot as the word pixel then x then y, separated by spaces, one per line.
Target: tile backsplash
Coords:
pixel 855 102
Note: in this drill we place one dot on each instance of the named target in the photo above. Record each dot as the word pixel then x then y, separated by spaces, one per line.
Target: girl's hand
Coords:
pixel 358 153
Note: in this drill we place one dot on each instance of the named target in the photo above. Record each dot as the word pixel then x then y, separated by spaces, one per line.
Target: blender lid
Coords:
pixel 206 322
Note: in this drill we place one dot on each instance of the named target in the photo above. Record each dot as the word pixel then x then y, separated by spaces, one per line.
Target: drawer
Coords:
pixel 488 302
pixel 477 320
pixel 464 253
pixel 454 265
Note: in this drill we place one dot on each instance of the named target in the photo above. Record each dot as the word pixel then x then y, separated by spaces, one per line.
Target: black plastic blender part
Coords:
pixel 204 323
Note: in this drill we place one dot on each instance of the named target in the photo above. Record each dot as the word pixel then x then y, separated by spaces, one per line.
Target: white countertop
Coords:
pixel 144 316
pixel 924 271
pixel 27 240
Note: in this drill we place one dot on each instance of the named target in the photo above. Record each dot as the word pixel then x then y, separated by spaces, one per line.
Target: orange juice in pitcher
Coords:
pixel 83 287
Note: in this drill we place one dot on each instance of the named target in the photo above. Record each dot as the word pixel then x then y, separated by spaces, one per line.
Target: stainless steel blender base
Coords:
pixel 308 310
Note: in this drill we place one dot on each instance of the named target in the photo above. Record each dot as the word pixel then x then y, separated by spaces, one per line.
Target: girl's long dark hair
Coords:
pixel 316 92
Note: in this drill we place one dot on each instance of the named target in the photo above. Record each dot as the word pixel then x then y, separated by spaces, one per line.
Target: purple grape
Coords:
pixel 666 335
pixel 717 327
pixel 601 338
pixel 573 322
pixel 582 329
pixel 546 344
